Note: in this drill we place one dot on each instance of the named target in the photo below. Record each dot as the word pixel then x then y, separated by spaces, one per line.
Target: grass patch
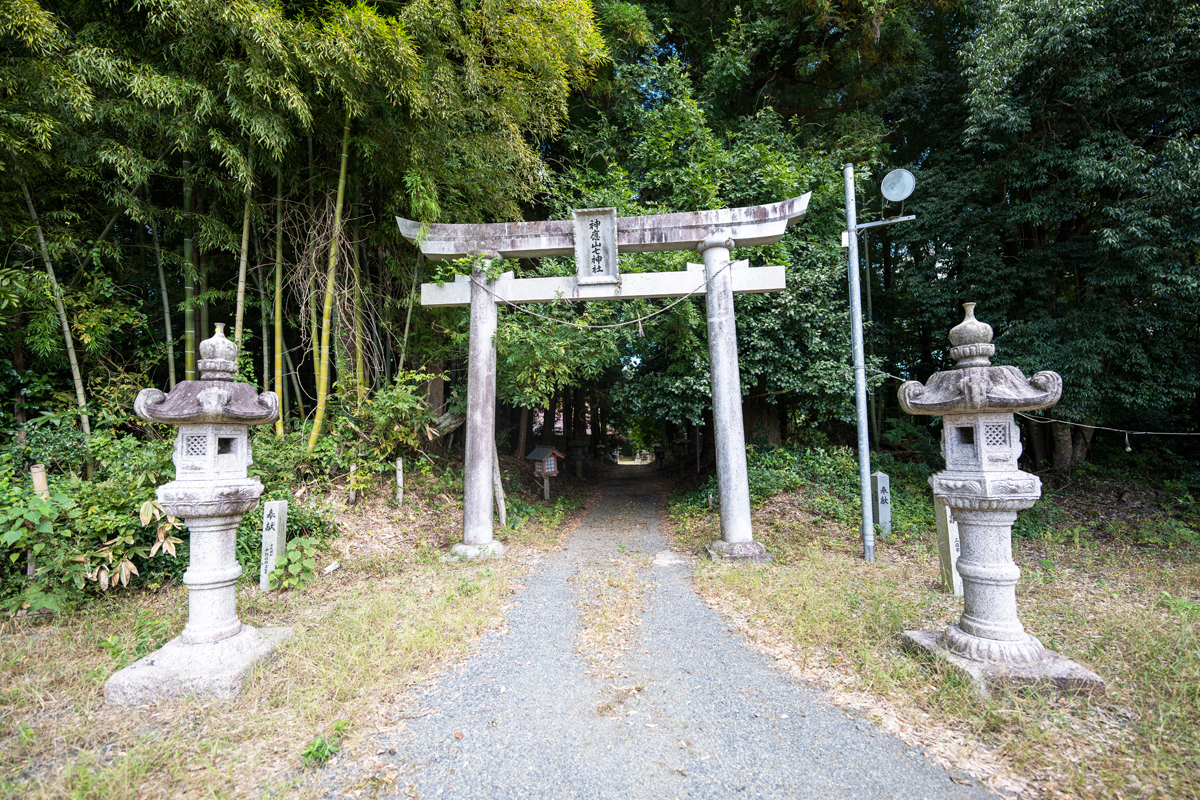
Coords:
pixel 363 636
pixel 358 640
pixel 1129 613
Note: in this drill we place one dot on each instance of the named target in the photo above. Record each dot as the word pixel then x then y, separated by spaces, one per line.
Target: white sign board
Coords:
pixel 948 547
pixel 596 245
pixel 881 500
pixel 274 538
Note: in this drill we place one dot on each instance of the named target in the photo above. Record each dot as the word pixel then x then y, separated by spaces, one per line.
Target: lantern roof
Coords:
pixel 542 452
pixel 975 385
pixel 216 398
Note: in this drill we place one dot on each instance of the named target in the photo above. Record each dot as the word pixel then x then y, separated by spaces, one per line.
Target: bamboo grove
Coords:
pixel 240 162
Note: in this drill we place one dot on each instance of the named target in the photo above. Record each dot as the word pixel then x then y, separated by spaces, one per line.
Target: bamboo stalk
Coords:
pixel 264 321
pixel 314 329
pixel 279 387
pixel 408 315
pixel 166 303
pixel 296 390
pixel 498 488
pixel 205 330
pixel 189 285
pixel 359 367
pixel 76 376
pixel 330 279
pixel 241 285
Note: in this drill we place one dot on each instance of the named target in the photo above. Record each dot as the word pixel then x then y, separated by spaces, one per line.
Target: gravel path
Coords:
pixel 710 716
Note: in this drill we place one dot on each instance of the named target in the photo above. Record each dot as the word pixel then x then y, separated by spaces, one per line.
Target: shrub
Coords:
pixel 86 539
pixel 830 476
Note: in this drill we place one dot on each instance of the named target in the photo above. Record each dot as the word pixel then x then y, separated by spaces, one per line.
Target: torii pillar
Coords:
pixel 595 237
pixel 725 381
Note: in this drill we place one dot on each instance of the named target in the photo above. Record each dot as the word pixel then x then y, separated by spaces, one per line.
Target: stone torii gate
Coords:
pixel 595 237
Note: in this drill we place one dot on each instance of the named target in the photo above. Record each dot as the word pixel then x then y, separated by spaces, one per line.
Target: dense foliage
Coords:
pixel 171 164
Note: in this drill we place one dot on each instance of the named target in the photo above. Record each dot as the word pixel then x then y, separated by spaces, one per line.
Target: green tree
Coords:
pixel 1058 152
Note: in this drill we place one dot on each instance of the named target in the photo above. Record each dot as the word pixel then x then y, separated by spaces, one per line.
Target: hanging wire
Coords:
pixel 1127 433
pixel 582 325
pixel 1043 420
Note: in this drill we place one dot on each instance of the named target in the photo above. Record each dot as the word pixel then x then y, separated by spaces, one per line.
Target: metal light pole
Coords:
pixel 860 370
pixel 899 192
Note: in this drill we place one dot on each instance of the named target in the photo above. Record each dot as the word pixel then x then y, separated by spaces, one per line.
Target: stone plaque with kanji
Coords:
pixel 596 245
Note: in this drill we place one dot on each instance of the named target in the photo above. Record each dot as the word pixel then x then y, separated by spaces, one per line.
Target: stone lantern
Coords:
pixel 210 493
pixel 985 489
pixel 578 452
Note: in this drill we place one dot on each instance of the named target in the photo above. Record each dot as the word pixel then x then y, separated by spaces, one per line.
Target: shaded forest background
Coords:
pixel 173 164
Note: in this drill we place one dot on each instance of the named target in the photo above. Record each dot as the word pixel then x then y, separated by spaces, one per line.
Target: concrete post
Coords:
pixel 949 548
pixel 274 540
pixel 737 536
pixel 399 481
pixel 481 424
pixel 881 501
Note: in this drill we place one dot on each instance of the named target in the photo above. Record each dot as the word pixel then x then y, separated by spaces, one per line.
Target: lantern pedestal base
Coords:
pixel 751 551
pixel 193 670
pixel 1052 671
pixel 474 552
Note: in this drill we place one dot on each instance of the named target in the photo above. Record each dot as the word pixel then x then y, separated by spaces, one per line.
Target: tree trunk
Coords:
pixel 1036 434
pixel 330 279
pixel 548 421
pixel 760 419
pixel 1063 449
pixel 278 307
pixel 581 415
pixel 926 364
pixel 522 431
pixel 709 440
pixel 568 415
pixel 435 394
pixel 19 367
pixel 1082 440
pixel 76 376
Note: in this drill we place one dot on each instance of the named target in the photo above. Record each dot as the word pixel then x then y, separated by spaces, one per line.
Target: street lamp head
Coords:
pixel 898 185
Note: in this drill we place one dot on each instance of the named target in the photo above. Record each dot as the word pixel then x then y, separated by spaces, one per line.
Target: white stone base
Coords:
pixel 751 551
pixel 1051 671
pixel 473 552
pixel 193 670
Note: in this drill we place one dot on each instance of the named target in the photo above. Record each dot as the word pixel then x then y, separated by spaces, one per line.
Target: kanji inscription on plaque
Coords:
pixel 596 245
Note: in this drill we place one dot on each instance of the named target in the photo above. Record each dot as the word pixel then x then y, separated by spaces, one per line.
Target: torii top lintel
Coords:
pixel 749 226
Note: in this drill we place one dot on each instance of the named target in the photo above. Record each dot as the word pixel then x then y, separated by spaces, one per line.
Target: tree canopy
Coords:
pixel 168 164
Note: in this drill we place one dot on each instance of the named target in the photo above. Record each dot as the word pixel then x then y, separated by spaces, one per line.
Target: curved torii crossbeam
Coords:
pixel 595 237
